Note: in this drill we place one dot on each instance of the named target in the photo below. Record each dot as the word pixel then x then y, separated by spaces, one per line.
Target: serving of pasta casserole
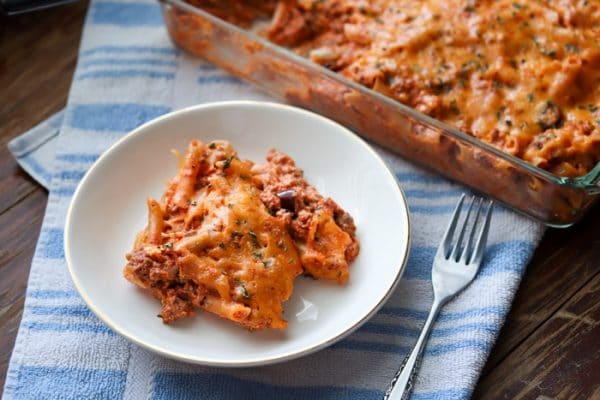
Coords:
pixel 230 237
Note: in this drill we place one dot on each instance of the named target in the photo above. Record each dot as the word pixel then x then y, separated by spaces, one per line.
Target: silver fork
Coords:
pixel 455 265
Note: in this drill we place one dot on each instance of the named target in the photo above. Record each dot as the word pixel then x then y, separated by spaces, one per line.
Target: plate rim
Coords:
pixel 207 361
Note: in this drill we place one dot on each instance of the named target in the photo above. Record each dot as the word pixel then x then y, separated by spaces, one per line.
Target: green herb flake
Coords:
pixel 454 107
pixel 227 162
pixel 256 254
pixel 245 293
pixel 517 6
pixel 315 3
pixel 266 263
pixel 547 52
pixel 500 112
pixel 530 97
pixel 291 261
pixel 222 245
pixel 572 48
pixel 254 239
pixel 592 108
pixel 469 8
pixel 212 146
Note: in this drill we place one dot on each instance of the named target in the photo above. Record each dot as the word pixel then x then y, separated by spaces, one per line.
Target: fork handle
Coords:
pixel 402 383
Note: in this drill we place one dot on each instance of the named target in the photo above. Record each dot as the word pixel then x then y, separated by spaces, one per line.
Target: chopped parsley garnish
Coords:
pixel 454 107
pixel 245 293
pixel 530 97
pixel 572 48
pixel 222 245
pixel 500 112
pixel 227 162
pixel 212 146
pixel 266 263
pixel 592 108
pixel 254 239
pixel 517 6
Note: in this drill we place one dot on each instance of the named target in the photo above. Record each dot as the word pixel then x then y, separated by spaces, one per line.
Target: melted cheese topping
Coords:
pixel 214 225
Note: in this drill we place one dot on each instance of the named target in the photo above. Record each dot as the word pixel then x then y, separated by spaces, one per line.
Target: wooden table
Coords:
pixel 548 348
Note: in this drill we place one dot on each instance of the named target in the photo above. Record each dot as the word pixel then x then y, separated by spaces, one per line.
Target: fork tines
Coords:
pixel 477 226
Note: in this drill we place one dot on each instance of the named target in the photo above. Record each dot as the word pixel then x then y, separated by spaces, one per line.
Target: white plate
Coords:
pixel 109 208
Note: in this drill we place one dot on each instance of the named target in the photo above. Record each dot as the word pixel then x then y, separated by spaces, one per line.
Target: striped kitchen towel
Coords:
pixel 129 72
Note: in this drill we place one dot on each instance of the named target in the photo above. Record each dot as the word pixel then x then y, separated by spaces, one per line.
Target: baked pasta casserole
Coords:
pixel 230 237
pixel 521 75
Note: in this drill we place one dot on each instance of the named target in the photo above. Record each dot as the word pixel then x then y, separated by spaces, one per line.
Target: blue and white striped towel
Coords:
pixel 129 72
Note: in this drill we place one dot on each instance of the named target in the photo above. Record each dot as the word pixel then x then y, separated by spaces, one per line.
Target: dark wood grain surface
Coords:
pixel 549 347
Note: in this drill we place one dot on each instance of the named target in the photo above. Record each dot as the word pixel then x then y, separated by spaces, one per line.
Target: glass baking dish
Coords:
pixel 554 200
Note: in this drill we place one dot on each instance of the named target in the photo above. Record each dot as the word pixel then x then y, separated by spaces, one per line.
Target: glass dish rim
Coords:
pixel 589 182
